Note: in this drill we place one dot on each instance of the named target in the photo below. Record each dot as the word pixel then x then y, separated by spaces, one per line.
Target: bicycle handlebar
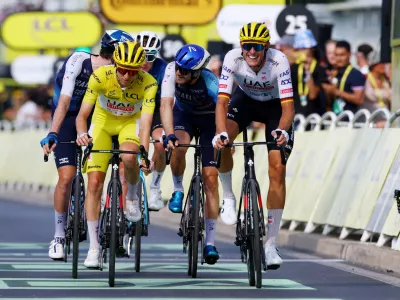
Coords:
pixel 244 144
pixel 51 143
pixel 169 152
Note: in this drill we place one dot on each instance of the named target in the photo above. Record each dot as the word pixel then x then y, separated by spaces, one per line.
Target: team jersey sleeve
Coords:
pixel 73 68
pixel 95 86
pixel 168 84
pixel 212 84
pixel 226 80
pixel 149 96
pixel 357 81
pixel 284 79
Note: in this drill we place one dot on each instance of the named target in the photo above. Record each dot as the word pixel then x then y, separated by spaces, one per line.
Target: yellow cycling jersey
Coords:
pixel 113 100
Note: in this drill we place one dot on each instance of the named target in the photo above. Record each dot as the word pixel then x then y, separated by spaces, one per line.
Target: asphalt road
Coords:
pixel 27 272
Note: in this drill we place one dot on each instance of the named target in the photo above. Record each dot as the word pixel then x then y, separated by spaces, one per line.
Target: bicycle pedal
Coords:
pixel 120 252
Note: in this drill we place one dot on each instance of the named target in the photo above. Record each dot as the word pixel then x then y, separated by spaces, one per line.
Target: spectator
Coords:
pixel 363 52
pixel 330 54
pixel 285 44
pixel 307 75
pixel 378 92
pixel 215 65
pixel 29 112
pixel 346 90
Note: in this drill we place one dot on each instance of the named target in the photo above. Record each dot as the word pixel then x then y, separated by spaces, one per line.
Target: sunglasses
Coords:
pixel 130 72
pixel 257 47
pixel 182 70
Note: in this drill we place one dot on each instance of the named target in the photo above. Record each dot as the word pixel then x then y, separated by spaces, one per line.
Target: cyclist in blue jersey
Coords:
pixel 194 89
pixel 69 88
pixel 156 67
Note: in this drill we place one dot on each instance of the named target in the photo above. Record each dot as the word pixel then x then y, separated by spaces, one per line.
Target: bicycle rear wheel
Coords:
pixel 113 238
pixel 138 231
pixel 256 243
pixel 195 226
pixel 76 230
pixel 250 238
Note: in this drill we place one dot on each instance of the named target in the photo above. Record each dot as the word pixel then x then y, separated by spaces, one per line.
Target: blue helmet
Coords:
pixel 114 36
pixel 192 57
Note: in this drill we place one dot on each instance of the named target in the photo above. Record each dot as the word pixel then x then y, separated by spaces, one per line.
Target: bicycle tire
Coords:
pixel 250 237
pixel 256 236
pixel 113 237
pixel 196 226
pixel 138 232
pixel 76 230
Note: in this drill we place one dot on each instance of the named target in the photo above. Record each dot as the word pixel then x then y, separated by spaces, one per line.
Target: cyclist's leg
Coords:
pixel 65 158
pixel 155 201
pixel 183 131
pixel 129 141
pixel 239 117
pixel 96 167
pixel 277 189
pixel 210 176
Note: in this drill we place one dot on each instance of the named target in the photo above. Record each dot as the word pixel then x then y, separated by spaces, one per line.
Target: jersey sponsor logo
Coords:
pixel 224 77
pixel 150 85
pixel 139 79
pixel 264 77
pixel 119 106
pixel 274 63
pixel 81 83
pixel 226 69
pixel 94 167
pixel 223 86
pixel 238 59
pixel 255 85
pixel 97 78
pixel 132 96
pixel 90 91
pixel 284 73
pixel 149 102
pixel 108 73
pixel 286 81
pixel 287 91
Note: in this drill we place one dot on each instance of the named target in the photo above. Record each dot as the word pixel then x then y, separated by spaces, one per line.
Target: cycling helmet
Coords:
pixel 111 37
pixel 192 57
pixel 129 55
pixel 149 41
pixel 254 32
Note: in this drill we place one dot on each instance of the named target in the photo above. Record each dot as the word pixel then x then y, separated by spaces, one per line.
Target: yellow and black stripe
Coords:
pixel 254 32
pixel 129 55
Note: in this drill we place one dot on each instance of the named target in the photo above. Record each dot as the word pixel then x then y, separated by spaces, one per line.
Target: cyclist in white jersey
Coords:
pixel 264 94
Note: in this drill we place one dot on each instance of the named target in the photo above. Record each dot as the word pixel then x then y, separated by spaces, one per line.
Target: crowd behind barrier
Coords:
pixel 341 175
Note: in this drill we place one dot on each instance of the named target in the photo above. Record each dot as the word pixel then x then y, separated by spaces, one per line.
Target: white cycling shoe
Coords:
pixel 133 212
pixel 228 211
pixel 272 257
pixel 92 259
pixel 56 248
pixel 155 201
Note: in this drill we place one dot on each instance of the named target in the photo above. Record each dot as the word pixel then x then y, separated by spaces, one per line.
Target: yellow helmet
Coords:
pixel 254 32
pixel 129 55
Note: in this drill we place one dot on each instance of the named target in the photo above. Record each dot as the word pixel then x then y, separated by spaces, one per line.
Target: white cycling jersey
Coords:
pixel 273 81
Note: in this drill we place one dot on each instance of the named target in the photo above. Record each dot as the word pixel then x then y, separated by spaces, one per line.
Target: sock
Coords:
pixel 273 226
pixel 226 181
pixel 211 231
pixel 178 186
pixel 93 229
pixel 155 181
pixel 60 220
pixel 132 192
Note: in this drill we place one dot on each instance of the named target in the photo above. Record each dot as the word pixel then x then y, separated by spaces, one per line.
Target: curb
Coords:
pixel 358 253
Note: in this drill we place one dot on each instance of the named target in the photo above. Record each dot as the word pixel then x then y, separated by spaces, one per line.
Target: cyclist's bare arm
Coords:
pixel 221 111
pixel 146 116
pixel 167 99
pixel 81 124
pixel 73 68
pixel 287 114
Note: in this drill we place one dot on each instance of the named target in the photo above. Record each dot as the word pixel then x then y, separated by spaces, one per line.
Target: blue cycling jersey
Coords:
pixel 72 80
pixel 157 71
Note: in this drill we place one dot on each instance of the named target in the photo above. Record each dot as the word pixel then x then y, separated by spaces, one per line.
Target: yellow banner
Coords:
pixel 51 30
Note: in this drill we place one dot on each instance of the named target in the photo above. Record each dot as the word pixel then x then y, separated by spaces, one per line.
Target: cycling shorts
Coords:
pixel 65 154
pixel 202 125
pixel 102 130
pixel 243 110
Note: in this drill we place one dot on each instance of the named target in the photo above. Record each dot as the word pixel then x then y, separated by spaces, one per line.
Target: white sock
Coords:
pixel 156 180
pixel 93 229
pixel 60 221
pixel 273 226
pixel 226 181
pixel 211 231
pixel 132 192
pixel 178 186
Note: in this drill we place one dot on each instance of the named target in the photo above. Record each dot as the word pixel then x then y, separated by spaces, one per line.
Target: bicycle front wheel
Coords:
pixel 76 230
pixel 195 226
pixel 256 243
pixel 138 231
pixel 113 238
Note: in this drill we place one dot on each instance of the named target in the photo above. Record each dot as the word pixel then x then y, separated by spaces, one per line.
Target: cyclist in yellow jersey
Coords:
pixel 124 100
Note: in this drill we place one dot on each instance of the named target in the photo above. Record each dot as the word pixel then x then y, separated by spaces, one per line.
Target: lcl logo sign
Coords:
pixel 51 24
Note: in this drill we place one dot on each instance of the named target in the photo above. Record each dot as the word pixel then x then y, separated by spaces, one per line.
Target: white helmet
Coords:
pixel 149 41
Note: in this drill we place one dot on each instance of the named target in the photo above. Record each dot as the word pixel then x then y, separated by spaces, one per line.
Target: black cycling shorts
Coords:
pixel 156 119
pixel 243 110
